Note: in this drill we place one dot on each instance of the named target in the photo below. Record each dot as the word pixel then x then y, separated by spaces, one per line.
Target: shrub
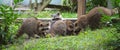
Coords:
pixel 116 42
pixel 7 24
pixel 8 17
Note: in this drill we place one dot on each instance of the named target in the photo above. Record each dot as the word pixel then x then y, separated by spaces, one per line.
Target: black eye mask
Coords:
pixel 71 26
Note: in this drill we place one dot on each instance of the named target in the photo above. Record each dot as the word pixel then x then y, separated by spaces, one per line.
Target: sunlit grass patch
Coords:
pixel 47 14
pixel 88 40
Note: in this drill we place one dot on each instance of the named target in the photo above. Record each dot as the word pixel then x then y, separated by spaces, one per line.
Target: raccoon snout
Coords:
pixel 45 29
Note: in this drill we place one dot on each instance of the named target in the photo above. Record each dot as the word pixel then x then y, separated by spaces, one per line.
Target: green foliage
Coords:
pixel 47 14
pixel 116 42
pixel 7 25
pixel 95 3
pixel 89 5
pixel 116 3
pixel 69 15
pixel 88 40
pixel 70 3
pixel 99 3
pixel 17 1
pixel 105 18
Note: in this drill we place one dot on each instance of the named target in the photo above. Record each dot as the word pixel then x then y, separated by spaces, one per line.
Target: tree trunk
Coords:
pixel 44 4
pixel 36 5
pixel 30 4
pixel 81 7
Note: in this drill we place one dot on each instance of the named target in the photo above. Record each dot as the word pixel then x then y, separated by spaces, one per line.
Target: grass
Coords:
pixel 88 40
pixel 47 14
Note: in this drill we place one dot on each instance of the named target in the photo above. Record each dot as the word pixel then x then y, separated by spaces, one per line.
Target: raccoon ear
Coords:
pixel 51 15
pixel 58 13
pixel 40 24
pixel 71 26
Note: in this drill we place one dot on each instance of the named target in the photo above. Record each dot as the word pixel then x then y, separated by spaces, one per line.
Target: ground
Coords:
pixel 88 40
